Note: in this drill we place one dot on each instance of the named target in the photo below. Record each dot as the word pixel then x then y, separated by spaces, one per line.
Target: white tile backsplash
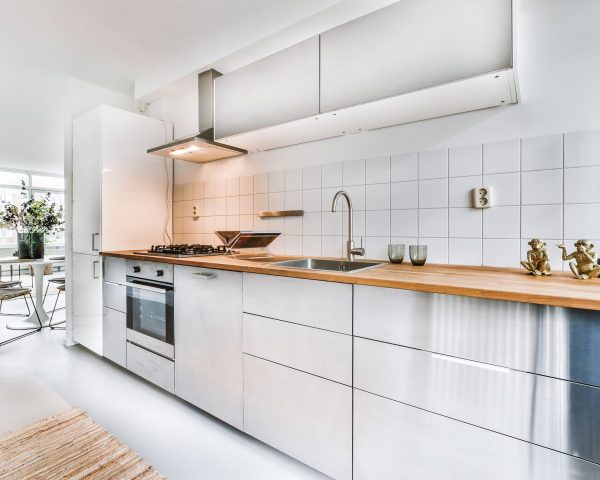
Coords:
pixel 293 179
pixel 233 186
pixel 311 200
pixel 433 193
pixel 261 183
pixel 276 181
pixel 220 187
pixel 405 198
pixel 459 190
pixel 465 251
pixel 378 170
pixel 541 153
pixel 433 164
pixel 378 196
pixel 378 223
pixel 464 223
pixel 541 221
pixel 311 177
pixel 506 188
pixel 581 221
pixel 331 175
pixel 582 185
pixel 502 253
pixel 404 167
pixel 404 195
pixel 544 187
pixel 246 185
pixel 502 222
pixel 404 223
pixel 433 222
pixel 582 148
pixel 353 172
pixel 293 200
pixel 501 157
pixel 465 161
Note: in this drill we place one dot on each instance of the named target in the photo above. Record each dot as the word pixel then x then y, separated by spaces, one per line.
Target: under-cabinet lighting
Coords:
pixel 182 151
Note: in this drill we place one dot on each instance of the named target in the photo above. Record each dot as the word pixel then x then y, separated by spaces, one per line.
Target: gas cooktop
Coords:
pixel 184 250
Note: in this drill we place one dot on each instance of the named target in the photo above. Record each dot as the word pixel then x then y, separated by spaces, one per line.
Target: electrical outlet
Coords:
pixel 481 197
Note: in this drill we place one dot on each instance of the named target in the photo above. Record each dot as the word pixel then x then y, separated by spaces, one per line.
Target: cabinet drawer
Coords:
pixel 320 352
pixel 114 335
pixel 307 417
pixel 314 303
pixel 114 296
pixel 114 269
pixel 530 407
pixel 152 367
pixel 392 440
pixel 553 341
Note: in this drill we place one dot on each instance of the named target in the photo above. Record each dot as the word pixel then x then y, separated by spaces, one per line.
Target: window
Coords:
pixel 37 185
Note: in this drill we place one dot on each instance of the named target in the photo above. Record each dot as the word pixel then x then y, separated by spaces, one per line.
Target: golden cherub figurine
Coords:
pixel 537 262
pixel 585 265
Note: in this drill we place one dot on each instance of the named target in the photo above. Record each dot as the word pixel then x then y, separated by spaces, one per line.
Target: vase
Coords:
pixel 30 245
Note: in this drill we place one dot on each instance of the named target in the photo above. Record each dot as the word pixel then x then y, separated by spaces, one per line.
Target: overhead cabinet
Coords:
pixel 274 90
pixel 410 61
pixel 412 45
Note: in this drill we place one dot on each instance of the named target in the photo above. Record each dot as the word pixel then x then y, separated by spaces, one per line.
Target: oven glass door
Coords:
pixel 150 308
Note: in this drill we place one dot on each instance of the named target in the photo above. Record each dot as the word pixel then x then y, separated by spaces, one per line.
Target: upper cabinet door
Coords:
pixel 87 189
pixel 412 45
pixel 271 91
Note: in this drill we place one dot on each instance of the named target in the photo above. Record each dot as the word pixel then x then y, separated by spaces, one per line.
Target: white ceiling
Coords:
pixel 111 42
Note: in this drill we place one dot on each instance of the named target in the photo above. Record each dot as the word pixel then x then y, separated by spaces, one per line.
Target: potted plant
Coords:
pixel 32 220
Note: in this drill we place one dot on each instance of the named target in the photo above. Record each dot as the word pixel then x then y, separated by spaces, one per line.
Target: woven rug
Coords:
pixel 69 446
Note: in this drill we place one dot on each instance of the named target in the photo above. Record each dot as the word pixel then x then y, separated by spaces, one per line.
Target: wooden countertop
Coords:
pixel 560 289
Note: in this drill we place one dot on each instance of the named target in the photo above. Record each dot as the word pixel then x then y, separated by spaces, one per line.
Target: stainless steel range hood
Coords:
pixel 202 146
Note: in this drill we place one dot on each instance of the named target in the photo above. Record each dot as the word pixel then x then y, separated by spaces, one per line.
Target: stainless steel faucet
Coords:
pixel 350 249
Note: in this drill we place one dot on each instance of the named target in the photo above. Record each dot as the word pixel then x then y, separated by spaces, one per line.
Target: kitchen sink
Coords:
pixel 328 265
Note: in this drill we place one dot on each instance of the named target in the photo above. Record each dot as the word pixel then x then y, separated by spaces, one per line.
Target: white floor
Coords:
pixel 39 377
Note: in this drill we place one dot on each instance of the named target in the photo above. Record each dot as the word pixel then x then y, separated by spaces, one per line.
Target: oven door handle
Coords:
pixel 146 287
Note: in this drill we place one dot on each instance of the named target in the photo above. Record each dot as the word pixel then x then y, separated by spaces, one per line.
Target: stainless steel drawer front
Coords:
pixel 554 341
pixel 396 441
pixel 553 413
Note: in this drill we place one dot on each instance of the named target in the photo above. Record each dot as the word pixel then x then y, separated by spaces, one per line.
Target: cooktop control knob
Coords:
pixel 136 269
pixel 160 273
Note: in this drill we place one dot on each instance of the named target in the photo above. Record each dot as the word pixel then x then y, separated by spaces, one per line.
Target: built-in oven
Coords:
pixel 150 310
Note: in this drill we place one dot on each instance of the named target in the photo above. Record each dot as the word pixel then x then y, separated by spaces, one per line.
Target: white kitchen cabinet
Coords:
pixel 305 416
pixel 87 301
pixel 312 350
pixel 412 45
pixel 121 201
pixel 208 341
pixel 314 303
pixel 119 191
pixel 156 369
pixel 274 90
pixel 114 336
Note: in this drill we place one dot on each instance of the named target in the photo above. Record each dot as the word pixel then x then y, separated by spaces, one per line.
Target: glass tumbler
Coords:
pixel 396 252
pixel 418 254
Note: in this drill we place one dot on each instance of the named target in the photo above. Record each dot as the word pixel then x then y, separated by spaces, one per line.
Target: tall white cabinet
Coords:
pixel 121 201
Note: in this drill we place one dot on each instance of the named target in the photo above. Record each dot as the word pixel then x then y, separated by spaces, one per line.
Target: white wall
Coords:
pixel 31 118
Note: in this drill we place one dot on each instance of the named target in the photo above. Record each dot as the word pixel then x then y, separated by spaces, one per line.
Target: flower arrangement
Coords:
pixel 32 220
pixel 33 216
